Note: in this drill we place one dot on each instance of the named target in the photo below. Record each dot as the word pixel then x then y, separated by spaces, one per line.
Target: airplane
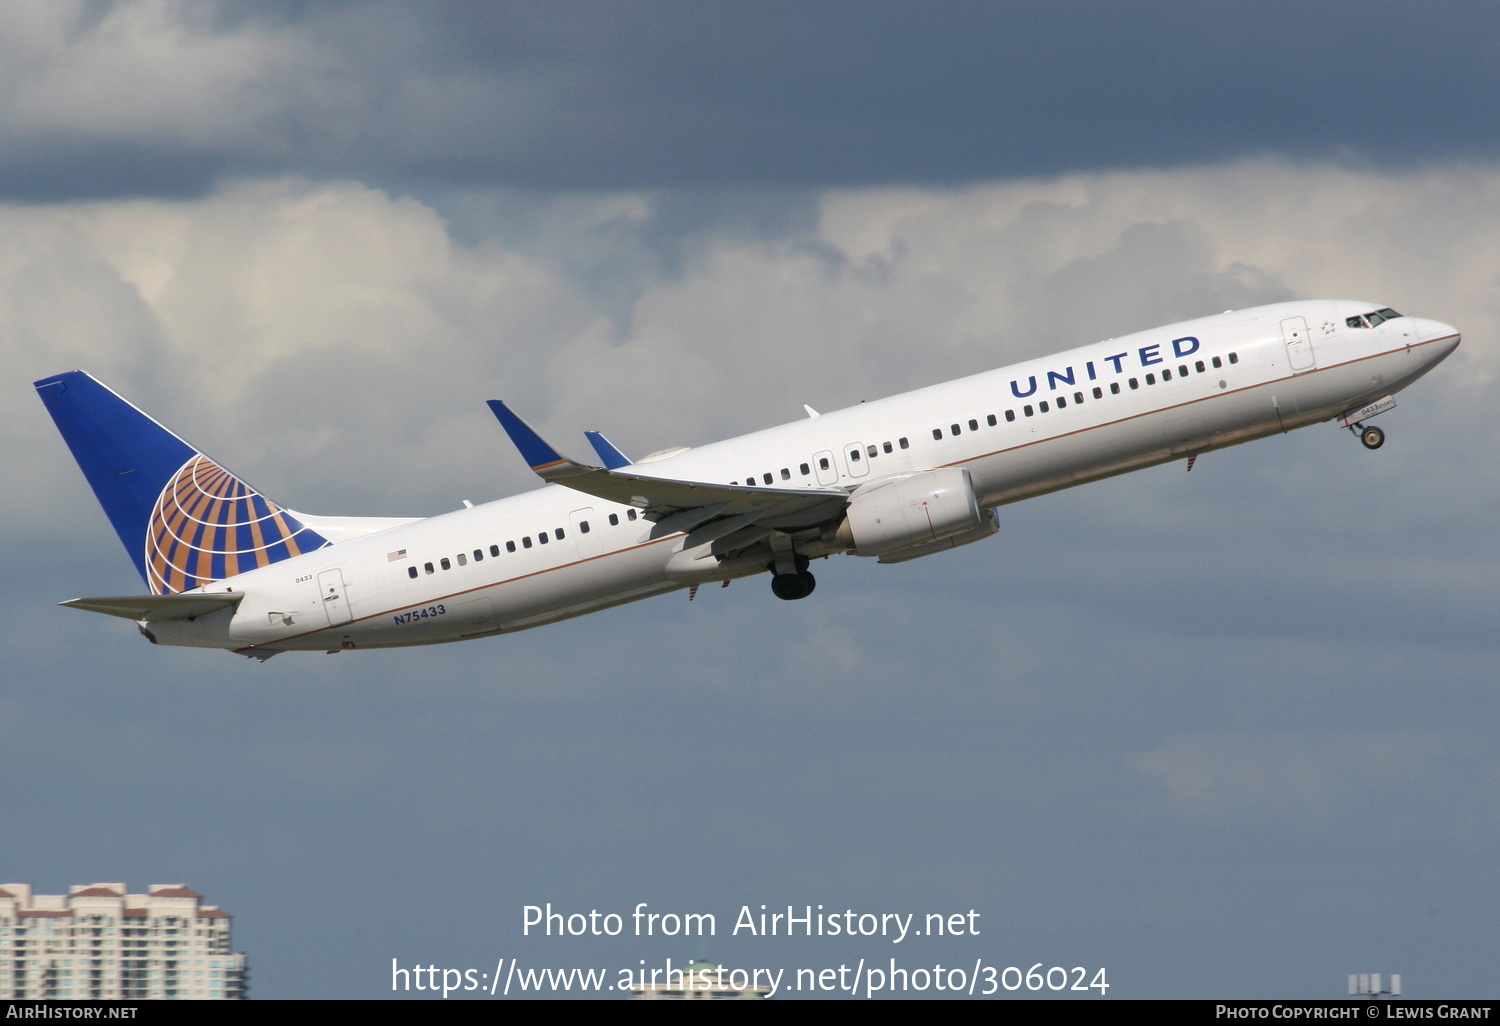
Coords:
pixel 894 479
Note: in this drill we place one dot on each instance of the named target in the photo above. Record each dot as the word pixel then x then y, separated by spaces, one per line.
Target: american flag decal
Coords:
pixel 208 525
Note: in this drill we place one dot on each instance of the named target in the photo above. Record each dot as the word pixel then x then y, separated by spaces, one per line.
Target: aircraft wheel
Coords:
pixel 1372 437
pixel 793 586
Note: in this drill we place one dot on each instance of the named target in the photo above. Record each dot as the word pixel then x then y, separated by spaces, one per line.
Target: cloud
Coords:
pixel 1314 781
pixel 121 98
pixel 150 71
pixel 333 340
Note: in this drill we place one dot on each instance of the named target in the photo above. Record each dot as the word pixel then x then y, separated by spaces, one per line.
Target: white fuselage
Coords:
pixel 483 570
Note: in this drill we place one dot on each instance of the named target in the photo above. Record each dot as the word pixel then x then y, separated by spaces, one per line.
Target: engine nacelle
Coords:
pixel 919 510
pixel 989 523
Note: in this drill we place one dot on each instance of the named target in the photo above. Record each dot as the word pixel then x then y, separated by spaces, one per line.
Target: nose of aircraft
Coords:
pixel 1427 330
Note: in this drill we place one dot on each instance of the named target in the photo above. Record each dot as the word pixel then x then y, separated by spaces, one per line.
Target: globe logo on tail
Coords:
pixel 208 525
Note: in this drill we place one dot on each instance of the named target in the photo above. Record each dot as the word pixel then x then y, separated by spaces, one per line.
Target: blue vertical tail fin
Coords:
pixel 185 520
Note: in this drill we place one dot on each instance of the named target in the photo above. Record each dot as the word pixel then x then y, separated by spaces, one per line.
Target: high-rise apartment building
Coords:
pixel 98 942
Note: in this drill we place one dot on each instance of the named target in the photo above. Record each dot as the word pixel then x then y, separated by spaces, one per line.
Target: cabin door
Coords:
pixel 335 602
pixel 1299 350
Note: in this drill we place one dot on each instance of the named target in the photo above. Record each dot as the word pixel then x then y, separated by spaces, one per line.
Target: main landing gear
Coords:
pixel 1370 437
pixel 791 580
pixel 793 586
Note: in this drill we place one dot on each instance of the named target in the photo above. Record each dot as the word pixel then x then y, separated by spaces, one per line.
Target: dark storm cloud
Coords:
pixel 590 95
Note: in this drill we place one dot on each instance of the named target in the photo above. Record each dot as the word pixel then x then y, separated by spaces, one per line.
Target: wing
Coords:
pixel 674 504
pixel 158 607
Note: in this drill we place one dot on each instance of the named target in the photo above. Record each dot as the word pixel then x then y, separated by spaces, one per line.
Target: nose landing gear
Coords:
pixel 1370 437
pixel 1354 420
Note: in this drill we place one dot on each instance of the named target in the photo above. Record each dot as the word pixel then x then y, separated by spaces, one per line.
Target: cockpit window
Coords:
pixel 1372 318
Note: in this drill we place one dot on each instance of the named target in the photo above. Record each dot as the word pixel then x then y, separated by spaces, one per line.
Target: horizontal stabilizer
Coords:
pixel 158 607
pixel 612 458
pixel 660 497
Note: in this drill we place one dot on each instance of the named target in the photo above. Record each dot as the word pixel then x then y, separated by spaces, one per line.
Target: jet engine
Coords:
pixel 989 524
pixel 916 512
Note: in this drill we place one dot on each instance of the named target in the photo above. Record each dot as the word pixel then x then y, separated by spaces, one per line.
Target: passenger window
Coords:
pixel 937 434
pixel 1218 363
pixel 766 477
pixel 854 455
pixel 886 446
pixel 558 534
pixel 805 469
pixel 1198 366
pixel 973 425
pixel 630 514
pixel 823 463
pixel 1150 379
pixel 1078 397
pixel 990 420
pixel 1166 375
pixel 1114 388
pixel 903 443
pixel 1098 392
pixel 427 567
pixel 445 564
pixel 583 527
pixel 614 520
pixel 1134 383
pixel 1062 402
pixel 954 429
pixel 1010 415
pixel 1182 372
pixel 1234 357
pixel 542 538
pixel 510 546
pixel 526 542
pixel 411 571
pixel 462 560
pixel 478 555
pixel 495 549
pixel 872 451
pixel 1028 411
pixel 1042 407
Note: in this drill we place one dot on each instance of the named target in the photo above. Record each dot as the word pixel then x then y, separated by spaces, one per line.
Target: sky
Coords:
pixel 1223 735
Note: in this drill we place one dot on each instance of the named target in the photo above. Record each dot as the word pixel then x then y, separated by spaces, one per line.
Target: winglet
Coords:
pixel 548 463
pixel 613 458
